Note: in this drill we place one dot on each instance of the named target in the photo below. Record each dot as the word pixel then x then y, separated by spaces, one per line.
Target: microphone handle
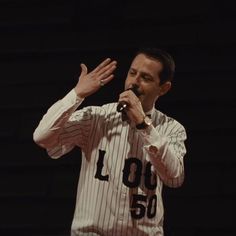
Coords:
pixel 122 105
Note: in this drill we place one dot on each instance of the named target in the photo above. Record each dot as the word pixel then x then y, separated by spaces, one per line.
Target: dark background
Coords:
pixel 43 42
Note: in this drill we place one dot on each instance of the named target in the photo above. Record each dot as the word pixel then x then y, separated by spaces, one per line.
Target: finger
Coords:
pixel 108 79
pixel 104 63
pixel 129 97
pixel 108 69
pixel 84 70
pixel 106 75
pixel 128 93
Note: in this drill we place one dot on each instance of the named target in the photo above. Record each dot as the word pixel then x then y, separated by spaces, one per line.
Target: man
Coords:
pixel 127 155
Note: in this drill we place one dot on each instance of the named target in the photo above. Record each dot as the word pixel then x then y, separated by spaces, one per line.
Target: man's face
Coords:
pixel 144 72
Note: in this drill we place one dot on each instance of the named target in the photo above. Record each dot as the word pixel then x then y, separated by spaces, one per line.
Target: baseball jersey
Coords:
pixel 122 170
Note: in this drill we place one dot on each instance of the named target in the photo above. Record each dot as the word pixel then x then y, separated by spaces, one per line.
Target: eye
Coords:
pixel 132 72
pixel 147 78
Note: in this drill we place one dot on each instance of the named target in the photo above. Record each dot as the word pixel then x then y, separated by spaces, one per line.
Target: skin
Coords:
pixel 144 72
pixel 89 83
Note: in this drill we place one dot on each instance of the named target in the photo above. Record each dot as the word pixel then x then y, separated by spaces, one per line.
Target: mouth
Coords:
pixel 135 89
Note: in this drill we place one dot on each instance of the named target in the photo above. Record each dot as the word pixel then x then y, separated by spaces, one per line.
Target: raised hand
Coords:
pixel 90 82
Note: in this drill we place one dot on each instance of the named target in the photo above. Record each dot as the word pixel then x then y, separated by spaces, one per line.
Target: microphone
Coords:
pixel 122 105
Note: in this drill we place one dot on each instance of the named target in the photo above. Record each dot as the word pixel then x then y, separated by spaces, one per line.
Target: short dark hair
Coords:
pixel 167 74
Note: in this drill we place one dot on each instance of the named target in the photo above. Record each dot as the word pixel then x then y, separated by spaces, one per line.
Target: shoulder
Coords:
pixel 168 123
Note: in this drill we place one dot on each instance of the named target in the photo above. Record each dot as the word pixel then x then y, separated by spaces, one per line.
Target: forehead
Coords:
pixel 147 64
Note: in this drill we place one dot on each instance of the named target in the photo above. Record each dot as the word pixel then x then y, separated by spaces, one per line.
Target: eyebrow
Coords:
pixel 143 73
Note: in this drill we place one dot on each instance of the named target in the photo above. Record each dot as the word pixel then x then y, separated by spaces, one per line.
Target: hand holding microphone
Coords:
pixel 123 105
pixel 132 109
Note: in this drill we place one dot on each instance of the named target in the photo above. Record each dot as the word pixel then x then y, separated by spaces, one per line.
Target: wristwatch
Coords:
pixel 146 122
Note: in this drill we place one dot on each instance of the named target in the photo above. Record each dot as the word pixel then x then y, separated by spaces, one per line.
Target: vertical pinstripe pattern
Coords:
pixel 103 207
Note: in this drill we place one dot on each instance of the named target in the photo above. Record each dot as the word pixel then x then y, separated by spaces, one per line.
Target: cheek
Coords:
pixel 128 83
pixel 152 92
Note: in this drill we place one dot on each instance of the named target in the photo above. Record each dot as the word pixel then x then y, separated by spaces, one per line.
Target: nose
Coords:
pixel 136 80
pixel 135 85
pixel 133 80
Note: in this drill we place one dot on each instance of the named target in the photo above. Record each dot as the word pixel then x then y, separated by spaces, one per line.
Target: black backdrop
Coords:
pixel 42 44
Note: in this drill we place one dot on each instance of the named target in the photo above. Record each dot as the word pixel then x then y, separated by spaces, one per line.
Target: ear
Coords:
pixel 165 88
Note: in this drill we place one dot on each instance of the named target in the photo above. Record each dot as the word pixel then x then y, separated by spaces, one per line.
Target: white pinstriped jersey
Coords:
pixel 123 169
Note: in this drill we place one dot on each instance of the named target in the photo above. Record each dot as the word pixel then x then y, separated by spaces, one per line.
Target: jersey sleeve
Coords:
pixel 166 151
pixel 62 128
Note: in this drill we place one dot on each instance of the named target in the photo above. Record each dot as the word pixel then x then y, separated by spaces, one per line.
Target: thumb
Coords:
pixel 84 70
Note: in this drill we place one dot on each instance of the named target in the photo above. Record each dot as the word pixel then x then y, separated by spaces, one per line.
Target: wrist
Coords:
pixel 146 122
pixel 79 93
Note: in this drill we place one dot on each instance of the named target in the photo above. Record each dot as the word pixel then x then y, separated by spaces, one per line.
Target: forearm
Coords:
pixel 49 128
pixel 165 155
pixel 169 166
